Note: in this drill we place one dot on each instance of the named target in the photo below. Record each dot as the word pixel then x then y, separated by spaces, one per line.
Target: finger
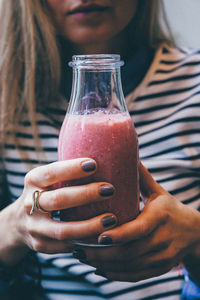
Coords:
pixel 53 173
pixel 127 264
pixel 134 276
pixel 148 186
pixel 125 253
pixel 50 246
pixel 75 196
pixel 69 230
pixel 149 219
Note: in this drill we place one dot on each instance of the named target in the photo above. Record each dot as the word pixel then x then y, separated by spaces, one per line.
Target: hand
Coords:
pixel 39 231
pixel 153 243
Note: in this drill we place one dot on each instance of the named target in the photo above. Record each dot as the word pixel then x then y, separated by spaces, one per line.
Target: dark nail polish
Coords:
pixel 108 221
pixel 105 240
pixel 79 254
pixel 88 165
pixel 106 190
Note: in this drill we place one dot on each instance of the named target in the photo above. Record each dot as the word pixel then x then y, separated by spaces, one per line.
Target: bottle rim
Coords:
pixel 93 61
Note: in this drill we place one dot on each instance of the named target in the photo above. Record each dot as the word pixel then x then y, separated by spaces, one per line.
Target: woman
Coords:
pixel 161 86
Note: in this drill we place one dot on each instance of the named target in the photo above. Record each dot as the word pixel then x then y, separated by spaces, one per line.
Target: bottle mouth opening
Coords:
pixel 93 61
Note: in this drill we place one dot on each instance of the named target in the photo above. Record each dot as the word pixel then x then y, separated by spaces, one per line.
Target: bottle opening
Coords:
pixel 93 61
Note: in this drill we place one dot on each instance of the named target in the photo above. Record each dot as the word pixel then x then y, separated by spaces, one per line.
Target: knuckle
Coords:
pixel 164 216
pixel 29 227
pixel 28 178
pixel 144 228
pixel 56 199
pixel 37 245
pixel 90 191
pixel 61 234
pixel 27 205
pixel 49 173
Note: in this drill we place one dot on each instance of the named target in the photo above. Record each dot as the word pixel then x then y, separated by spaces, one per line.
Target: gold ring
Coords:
pixel 36 204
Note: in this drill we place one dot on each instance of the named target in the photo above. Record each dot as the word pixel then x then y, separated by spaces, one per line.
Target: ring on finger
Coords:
pixel 36 204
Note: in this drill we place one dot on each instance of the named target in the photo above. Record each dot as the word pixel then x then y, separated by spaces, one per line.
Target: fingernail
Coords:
pixel 79 254
pixel 88 165
pixel 106 190
pixel 105 240
pixel 108 221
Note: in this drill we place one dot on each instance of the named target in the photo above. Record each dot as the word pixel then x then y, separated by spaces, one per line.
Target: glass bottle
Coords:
pixel 97 125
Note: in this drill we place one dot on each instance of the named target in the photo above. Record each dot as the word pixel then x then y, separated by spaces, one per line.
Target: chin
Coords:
pixel 88 37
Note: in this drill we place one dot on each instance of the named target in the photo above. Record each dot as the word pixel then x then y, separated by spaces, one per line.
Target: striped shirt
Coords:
pixel 165 108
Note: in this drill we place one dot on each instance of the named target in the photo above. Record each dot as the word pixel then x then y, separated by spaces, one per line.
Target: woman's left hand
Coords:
pixel 150 245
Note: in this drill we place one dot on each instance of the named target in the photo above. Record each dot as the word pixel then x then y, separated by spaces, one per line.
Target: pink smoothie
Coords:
pixel 112 141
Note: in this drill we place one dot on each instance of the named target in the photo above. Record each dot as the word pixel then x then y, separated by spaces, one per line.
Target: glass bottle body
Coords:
pixel 97 125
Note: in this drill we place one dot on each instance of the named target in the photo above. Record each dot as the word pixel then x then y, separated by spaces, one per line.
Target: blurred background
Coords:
pixel 184 20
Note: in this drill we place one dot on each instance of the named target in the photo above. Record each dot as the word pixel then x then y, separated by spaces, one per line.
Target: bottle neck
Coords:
pixel 96 89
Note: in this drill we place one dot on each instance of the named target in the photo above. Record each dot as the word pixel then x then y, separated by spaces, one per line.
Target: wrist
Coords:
pixel 12 247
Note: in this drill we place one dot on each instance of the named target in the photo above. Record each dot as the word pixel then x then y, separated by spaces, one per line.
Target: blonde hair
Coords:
pixel 30 58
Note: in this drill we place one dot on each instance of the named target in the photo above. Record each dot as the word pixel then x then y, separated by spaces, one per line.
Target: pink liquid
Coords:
pixel 111 140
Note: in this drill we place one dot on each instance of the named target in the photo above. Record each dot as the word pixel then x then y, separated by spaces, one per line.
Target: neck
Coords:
pixel 117 45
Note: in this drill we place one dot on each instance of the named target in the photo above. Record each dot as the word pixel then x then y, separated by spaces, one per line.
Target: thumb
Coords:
pixel 149 188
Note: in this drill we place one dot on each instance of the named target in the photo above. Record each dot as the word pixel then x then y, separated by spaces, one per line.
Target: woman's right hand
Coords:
pixel 38 231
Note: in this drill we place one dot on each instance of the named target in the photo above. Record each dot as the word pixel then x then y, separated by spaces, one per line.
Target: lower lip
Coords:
pixel 88 15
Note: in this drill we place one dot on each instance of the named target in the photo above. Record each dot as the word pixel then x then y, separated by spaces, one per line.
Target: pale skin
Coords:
pixel 39 232
pixel 165 233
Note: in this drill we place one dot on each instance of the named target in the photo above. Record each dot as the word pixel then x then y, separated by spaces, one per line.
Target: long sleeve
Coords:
pixel 190 289
pixel 4 196
pixel 4 201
